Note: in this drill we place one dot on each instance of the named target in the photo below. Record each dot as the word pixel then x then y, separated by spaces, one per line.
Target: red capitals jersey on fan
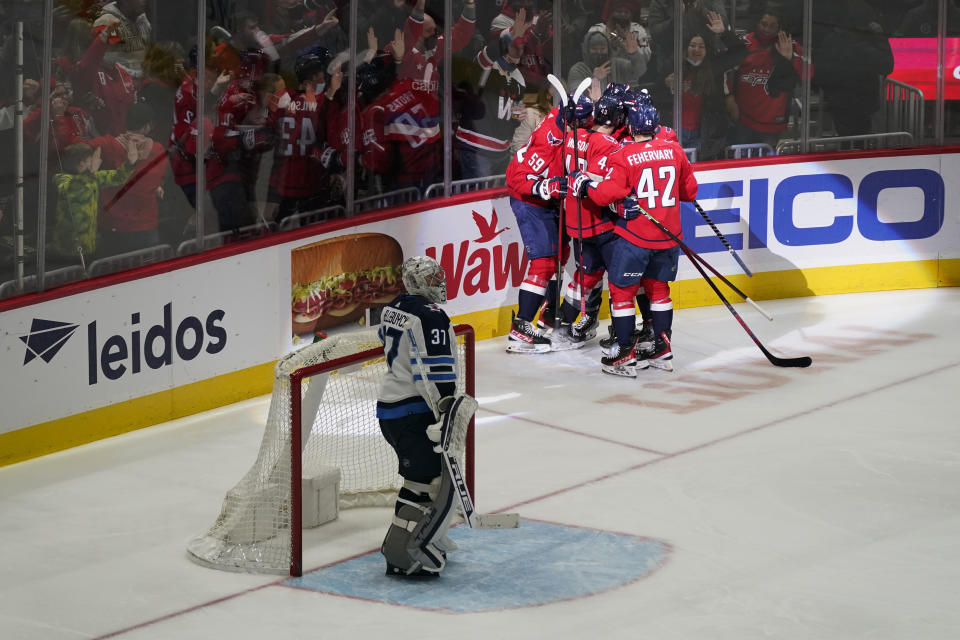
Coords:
pixel 183 136
pixel 338 134
pixel 422 65
pixel 296 170
pixel 593 153
pixel 758 109
pixel 537 159
pixel 401 131
pixel 232 109
pixel 658 174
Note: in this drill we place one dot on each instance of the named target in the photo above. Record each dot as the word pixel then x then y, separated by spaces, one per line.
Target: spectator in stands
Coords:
pixel 621 18
pixel 296 180
pixel 131 34
pixel 489 97
pixel 182 142
pixel 533 42
pixel 696 19
pixel 577 16
pixel 164 70
pixel 401 126
pixel 103 88
pixel 244 130
pixel 69 124
pixel 759 90
pixel 74 230
pixel 706 124
pixel 129 215
pixel 424 44
pixel 921 21
pixel 853 58
pixel 600 63
pixel 248 37
pixel 532 116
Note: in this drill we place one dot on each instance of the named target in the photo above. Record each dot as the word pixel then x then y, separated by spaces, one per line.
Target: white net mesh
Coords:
pixel 340 429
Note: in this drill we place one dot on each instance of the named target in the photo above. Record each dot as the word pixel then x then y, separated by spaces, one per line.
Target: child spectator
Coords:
pixel 129 217
pixel 74 229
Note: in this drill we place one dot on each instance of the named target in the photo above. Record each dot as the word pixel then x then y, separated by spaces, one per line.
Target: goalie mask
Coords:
pixel 422 276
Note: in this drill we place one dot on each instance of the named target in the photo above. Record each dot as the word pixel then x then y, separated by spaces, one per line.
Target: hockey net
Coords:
pixel 329 388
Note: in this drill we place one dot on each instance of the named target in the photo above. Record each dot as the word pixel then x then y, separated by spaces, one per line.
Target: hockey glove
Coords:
pixel 628 208
pixel 551 188
pixel 579 183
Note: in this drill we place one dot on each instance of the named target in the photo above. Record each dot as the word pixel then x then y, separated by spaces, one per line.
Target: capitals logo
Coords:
pixel 46 338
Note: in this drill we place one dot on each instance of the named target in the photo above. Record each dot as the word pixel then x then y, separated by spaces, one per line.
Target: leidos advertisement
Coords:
pixel 133 339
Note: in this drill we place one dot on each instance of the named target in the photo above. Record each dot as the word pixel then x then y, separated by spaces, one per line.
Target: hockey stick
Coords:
pixel 722 239
pixel 803 361
pixel 693 255
pixel 474 520
pixel 558 87
pixel 576 167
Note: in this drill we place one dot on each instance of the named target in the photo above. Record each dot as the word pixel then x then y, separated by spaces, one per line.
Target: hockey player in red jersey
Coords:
pixel 589 225
pixel 535 185
pixel 653 175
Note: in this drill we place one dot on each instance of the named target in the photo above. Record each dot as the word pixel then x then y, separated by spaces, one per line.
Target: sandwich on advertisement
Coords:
pixel 336 280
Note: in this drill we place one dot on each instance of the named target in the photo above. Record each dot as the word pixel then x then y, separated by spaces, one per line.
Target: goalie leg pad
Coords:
pixel 423 544
pixel 395 544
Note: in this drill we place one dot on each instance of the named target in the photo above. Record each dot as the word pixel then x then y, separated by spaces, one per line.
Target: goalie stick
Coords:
pixel 722 238
pixel 803 361
pixel 473 519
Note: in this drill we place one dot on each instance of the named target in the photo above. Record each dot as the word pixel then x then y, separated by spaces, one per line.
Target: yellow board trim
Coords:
pixel 157 408
pixel 123 417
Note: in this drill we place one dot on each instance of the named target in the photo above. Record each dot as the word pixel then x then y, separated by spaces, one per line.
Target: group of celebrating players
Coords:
pixel 606 178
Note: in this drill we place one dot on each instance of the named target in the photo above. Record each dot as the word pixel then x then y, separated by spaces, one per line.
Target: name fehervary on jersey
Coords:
pixel 641 157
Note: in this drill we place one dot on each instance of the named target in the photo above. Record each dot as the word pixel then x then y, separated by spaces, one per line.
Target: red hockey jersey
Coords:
pixel 658 174
pixel 537 159
pixel 401 133
pixel 762 85
pixel 593 153
pixel 300 133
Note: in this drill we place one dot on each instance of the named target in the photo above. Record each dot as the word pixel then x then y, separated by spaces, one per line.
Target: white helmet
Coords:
pixel 422 276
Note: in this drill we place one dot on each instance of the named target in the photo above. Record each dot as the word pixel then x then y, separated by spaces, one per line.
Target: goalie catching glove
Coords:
pixel 450 431
pixel 550 188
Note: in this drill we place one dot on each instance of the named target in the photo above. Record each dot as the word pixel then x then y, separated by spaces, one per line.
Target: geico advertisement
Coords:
pixel 133 339
pixel 818 214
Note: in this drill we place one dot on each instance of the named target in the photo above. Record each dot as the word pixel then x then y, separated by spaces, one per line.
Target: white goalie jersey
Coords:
pixel 421 351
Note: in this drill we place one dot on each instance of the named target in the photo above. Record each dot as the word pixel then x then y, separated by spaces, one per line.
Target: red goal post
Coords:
pixel 328 389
